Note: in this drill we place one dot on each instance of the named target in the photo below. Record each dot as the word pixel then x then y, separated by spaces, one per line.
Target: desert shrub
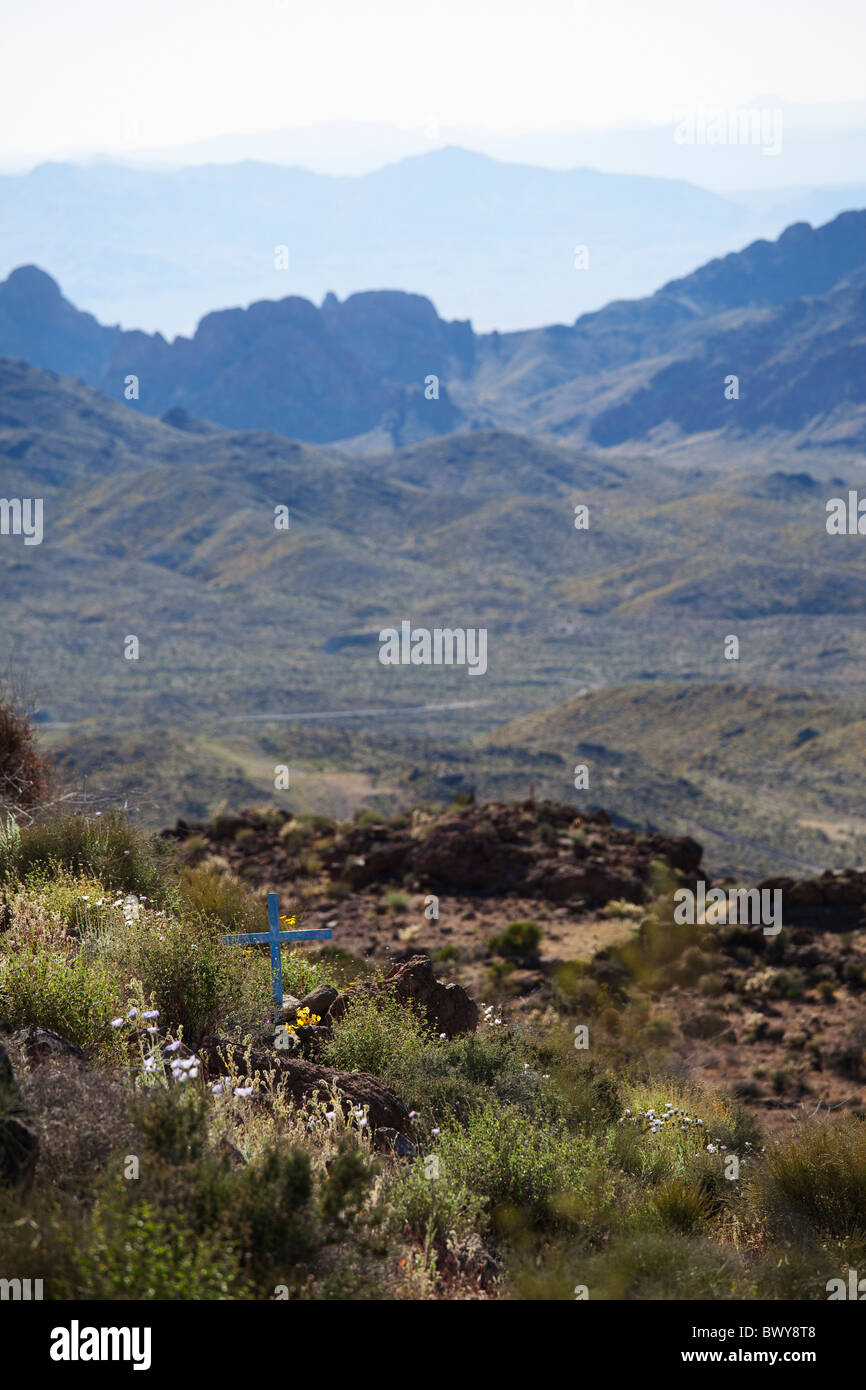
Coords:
pixel 219 898
pixel 173 1122
pixel 651 1265
pixel 510 1161
pixel 461 799
pixel 815 1182
pixel 577 991
pixel 396 902
pixel 660 941
pixel 81 1117
pixel 692 965
pixel 276 1212
pixel 199 1223
pixel 302 973
pixel 789 984
pixel 680 1206
pixel 748 1088
pixel 338 889
pixel 519 941
pixel 696 1118
pixel 796 1271
pixel 448 1083
pixel 379 1036
pixel 195 982
pixel 24 776
pixel 447 953
pixel 593 1097
pixel 141 1252
pixel 337 966
pixel 79 903
pixel 105 847
pixel 848 1057
pixel 315 824
pixel 266 1206
pixel 621 907
pixel 63 993
pixel 433 1208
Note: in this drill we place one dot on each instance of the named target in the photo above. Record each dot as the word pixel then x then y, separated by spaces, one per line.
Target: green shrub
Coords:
pixel 448 1083
pixel 141 1253
pixel 815 1182
pixel 315 824
pixel 220 899
pixel 679 1206
pixel 594 1099
pixel 196 982
pixel 511 1161
pixel 379 1036
pixel 105 847
pixel 433 1208
pixel 64 994
pixel 77 901
pixel 173 1122
pixel 651 1265
pixel 789 984
pixel 519 941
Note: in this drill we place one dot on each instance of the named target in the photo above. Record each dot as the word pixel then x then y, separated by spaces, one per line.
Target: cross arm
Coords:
pixel 306 934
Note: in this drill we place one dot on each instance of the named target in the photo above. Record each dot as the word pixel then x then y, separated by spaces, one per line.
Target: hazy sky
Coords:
pixel 105 75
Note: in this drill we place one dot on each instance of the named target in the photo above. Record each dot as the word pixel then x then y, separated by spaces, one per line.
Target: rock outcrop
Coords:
pixel 302 1079
pixel 446 1009
pixel 544 849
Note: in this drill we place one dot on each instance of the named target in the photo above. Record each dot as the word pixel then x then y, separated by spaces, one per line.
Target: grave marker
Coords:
pixel 275 938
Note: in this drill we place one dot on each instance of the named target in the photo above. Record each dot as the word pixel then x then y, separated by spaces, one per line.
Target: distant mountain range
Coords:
pixel 489 241
pixel 821 144
pixel 787 319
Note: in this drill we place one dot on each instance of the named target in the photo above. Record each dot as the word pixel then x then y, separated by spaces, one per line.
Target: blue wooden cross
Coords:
pixel 275 938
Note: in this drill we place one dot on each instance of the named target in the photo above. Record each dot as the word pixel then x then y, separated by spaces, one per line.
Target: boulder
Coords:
pixel 319 1000
pixel 302 1078
pixel 446 1009
pixel 289 1012
pixel 41 1045
pixel 390 1141
pixel 456 853
pixel 594 879
pixel 680 851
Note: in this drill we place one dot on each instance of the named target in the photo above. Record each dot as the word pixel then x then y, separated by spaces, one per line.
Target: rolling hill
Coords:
pixel 259 646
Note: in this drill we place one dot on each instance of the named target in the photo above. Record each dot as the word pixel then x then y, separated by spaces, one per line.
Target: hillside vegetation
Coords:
pixel 163 1145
